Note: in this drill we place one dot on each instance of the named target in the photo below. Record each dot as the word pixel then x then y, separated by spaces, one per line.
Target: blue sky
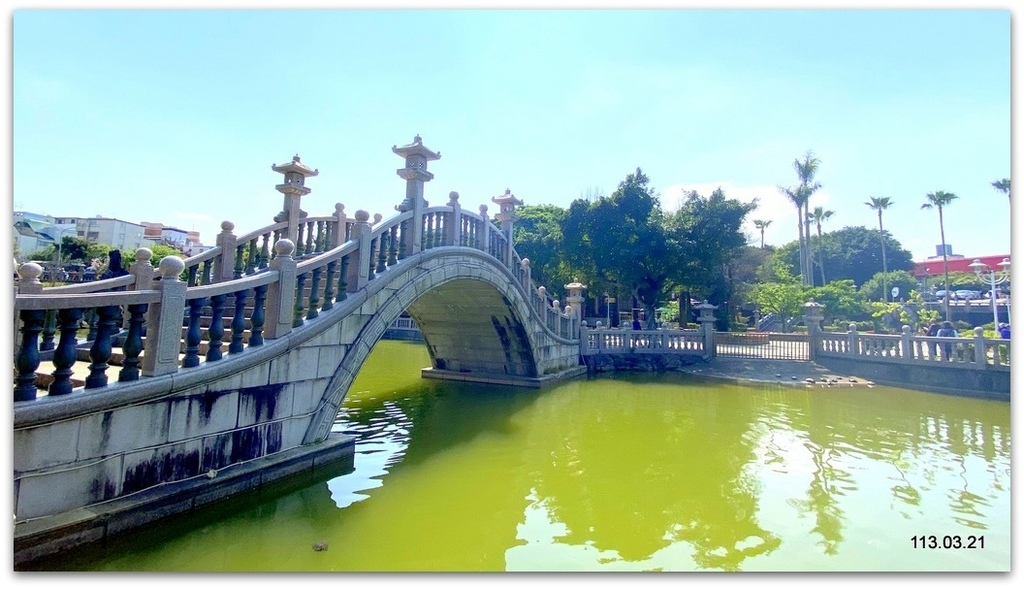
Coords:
pixel 177 116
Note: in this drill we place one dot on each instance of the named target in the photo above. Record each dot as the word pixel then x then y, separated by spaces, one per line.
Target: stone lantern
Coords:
pixel 706 318
pixel 575 298
pixel 415 174
pixel 293 189
pixel 813 316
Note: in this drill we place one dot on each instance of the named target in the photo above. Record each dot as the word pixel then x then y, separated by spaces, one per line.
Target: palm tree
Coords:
pixel 819 214
pixel 796 196
pixel 762 225
pixel 880 203
pixel 806 170
pixel 1002 186
pixel 939 200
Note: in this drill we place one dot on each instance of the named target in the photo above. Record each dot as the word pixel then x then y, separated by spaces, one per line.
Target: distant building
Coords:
pixel 160 233
pixel 122 235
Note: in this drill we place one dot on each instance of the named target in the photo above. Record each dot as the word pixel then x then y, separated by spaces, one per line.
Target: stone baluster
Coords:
pixel 238 323
pixel 227 241
pixel 163 320
pixel 49 331
pixel 329 285
pixel 393 245
pixel 343 277
pixel 314 294
pixel 106 323
pixel 403 240
pixel 281 294
pixel 253 257
pixel 300 287
pixel 65 355
pixel 215 333
pixel 132 345
pixel 28 356
pixel 239 270
pixel 485 228
pixel 259 300
pixel 194 333
pixel 382 252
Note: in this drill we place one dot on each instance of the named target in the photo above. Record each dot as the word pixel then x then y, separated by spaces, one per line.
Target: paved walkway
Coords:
pixel 790 372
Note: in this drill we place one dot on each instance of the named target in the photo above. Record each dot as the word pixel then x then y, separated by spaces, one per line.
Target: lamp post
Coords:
pixel 993 277
pixel 60 242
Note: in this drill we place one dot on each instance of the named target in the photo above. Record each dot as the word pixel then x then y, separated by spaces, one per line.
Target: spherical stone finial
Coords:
pixel 144 255
pixel 524 263
pixel 377 217
pixel 453 196
pixel 30 271
pixel 362 216
pixel 852 327
pixel 979 332
pixel 906 329
pixel 483 211
pixel 555 305
pixel 340 208
pixel 171 267
pixel 542 291
pixel 227 226
pixel 284 247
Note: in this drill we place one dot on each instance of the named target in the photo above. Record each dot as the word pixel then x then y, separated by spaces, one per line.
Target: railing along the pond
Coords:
pixel 976 352
pixel 246 290
pixel 627 341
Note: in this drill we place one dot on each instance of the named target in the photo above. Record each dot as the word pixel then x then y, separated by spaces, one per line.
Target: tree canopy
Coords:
pixel 853 253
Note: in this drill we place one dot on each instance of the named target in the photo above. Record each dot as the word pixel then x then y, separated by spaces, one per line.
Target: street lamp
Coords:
pixel 993 277
pixel 60 242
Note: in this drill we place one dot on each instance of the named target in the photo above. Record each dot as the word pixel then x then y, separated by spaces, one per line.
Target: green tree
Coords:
pixel 785 297
pixel 842 301
pixel 625 243
pixel 879 204
pixel 819 215
pixel 762 225
pixel 853 253
pixel 940 200
pixel 1003 186
pixel 537 235
pixel 879 285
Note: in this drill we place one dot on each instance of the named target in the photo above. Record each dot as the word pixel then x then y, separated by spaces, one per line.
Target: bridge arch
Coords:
pixel 477 323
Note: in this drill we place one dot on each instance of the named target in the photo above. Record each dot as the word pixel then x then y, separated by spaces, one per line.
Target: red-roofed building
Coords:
pixel 933 266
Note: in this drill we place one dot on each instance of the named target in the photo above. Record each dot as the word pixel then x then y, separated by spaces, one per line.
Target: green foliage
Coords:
pixel 785 299
pixel 537 235
pixel 624 243
pixel 841 299
pixel 905 281
pixel 853 253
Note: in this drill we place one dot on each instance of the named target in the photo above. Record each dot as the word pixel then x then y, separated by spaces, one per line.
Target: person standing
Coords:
pixel 947 331
pixel 933 330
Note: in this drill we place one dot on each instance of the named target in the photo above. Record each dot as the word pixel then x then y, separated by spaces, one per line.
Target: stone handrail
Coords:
pixel 260 296
pixel 976 352
pixel 629 341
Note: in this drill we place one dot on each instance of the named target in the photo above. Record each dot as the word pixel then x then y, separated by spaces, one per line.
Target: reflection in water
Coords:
pixel 627 473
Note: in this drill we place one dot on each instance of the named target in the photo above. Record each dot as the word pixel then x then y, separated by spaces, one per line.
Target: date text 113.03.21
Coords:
pixel 948 542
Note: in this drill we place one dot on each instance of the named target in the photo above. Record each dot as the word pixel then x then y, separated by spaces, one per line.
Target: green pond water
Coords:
pixel 637 472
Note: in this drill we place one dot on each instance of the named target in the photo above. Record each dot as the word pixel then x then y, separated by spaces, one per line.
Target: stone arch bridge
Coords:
pixel 225 370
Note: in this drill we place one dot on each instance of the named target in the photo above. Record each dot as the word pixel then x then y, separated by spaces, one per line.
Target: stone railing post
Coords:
pixel 851 340
pixel 707 327
pixel 906 343
pixel 142 269
pixel 485 230
pixel 164 319
pixel 980 357
pixel 281 294
pixel 453 232
pixel 813 317
pixel 526 275
pixel 584 339
pixel 340 220
pixel 359 267
pixel 225 261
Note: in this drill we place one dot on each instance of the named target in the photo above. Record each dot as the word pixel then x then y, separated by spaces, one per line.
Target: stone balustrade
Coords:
pixel 250 288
